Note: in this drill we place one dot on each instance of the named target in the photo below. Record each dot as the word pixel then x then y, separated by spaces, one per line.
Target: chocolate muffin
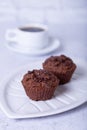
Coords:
pixel 62 66
pixel 40 84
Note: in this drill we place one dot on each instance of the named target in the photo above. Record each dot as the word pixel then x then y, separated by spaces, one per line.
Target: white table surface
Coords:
pixel 75 119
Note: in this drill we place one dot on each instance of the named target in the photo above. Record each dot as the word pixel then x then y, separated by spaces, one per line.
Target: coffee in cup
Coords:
pixel 31 29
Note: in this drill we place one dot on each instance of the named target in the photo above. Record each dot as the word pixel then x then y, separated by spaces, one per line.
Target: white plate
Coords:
pixel 15 104
pixel 52 46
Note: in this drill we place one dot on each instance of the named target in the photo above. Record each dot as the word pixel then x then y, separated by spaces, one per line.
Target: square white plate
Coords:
pixel 15 104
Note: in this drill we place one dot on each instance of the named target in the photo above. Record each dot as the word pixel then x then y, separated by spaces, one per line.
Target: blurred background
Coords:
pixel 66 19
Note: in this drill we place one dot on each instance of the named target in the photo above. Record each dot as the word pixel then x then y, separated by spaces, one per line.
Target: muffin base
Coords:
pixel 40 93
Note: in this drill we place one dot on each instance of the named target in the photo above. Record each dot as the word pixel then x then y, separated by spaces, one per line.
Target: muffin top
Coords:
pixel 40 78
pixel 60 64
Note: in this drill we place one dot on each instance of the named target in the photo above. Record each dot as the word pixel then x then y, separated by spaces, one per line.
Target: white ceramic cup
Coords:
pixel 29 39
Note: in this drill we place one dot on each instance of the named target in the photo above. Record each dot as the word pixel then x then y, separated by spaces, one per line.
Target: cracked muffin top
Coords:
pixel 60 64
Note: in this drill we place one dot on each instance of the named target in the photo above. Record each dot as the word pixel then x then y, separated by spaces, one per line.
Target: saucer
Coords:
pixel 53 45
